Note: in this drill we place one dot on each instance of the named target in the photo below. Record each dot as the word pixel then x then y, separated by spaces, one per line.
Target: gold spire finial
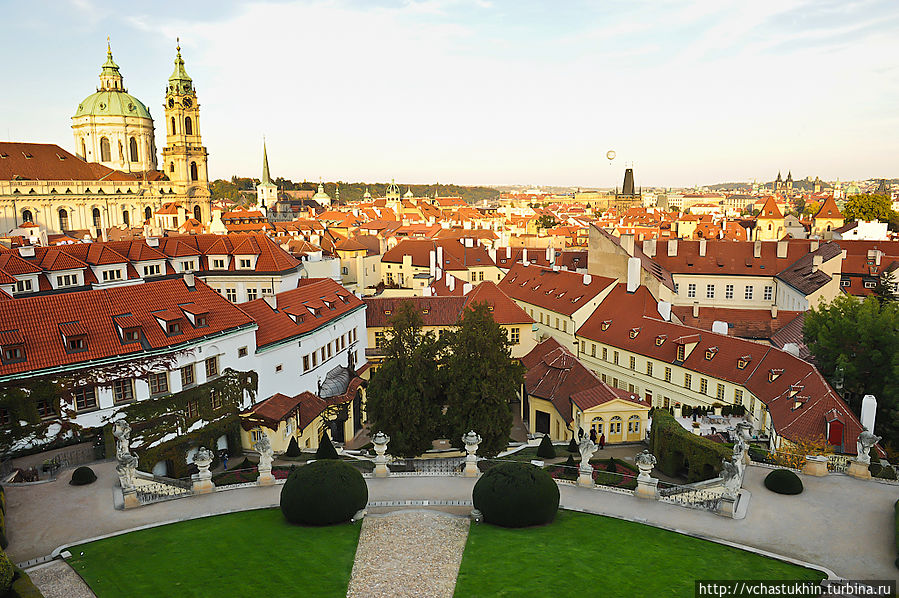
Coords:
pixel 108 45
pixel 178 47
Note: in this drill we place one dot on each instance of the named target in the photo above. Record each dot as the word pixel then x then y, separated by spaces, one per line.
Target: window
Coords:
pixel 870 284
pixel 110 275
pixel 218 264
pixel 126 218
pixel 379 340
pixel 845 282
pixel 564 325
pixel 23 286
pixel 703 386
pixel 242 352
pixel 667 374
pixel 633 424
pixel 212 367
pixel 76 344
pixel 67 280
pixel 557 323
pixel 95 217
pixel 201 322
pixel 648 368
pixel 677 288
pixel 481 276
pixel 188 126
pixel 63 220
pixel 728 291
pixel 193 409
pixel 709 291
pixel 193 172
pixel 691 290
pixel 159 383
pixel 344 270
pixel 123 391
pixel 593 350
pixel 105 152
pixel 251 294
pixel 688 381
pixel 322 351
pixel 681 352
pixel 329 350
pixel 314 358
pixel 245 264
pixel 279 367
pixel 738 396
pixel 605 354
pixel 768 293
pixel 231 294
pixel 751 407
pixel 720 394
pixel 515 336
pixel 85 398
pixel 633 361
pixel 152 270
pixel 747 293
pixel 45 409
pixel 615 358
pixel 186 266
pixel 216 398
pixel 174 328
pixel 132 148
pixel 305 363
pixel 615 425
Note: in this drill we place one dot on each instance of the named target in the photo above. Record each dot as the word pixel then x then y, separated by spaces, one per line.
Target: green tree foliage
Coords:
pixel 404 396
pixel 868 207
pixel 547 221
pixel 546 450
pixel 481 380
pixel 855 344
pixel 886 287
pixel 326 448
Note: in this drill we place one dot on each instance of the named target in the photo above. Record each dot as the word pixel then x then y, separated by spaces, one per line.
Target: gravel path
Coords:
pixel 57 580
pixel 408 554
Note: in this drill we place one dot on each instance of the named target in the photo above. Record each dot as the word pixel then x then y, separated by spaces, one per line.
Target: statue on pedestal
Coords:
pixel 127 462
pixel 865 441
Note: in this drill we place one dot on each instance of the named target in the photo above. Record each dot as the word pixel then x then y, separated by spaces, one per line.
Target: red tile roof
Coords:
pixel 560 291
pixel 434 311
pixel 744 323
pixel 504 310
pixel 49 162
pixel 829 209
pixel 38 319
pixel 770 210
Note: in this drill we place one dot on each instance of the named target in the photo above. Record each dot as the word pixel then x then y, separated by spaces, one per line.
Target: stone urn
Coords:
pixel 264 447
pixel 202 480
pixel 380 440
pixel 647 486
pixel 471 441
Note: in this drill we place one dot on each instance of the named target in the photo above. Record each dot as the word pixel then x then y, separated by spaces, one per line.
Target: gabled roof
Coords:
pixel 49 162
pixel 770 210
pixel 503 309
pixel 559 291
pixel 829 209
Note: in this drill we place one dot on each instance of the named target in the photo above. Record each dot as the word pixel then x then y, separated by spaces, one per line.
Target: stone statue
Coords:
pixel 865 441
pixel 586 447
pixel 645 462
pixel 264 447
pixel 127 462
pixel 732 475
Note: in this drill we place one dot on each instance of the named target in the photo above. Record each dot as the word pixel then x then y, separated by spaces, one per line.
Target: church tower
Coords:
pixel 266 190
pixel 184 157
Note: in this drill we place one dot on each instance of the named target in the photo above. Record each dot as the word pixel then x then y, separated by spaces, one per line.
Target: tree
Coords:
pixel 404 395
pixel 886 287
pixel 868 207
pixel 547 221
pixel 855 344
pixel 481 380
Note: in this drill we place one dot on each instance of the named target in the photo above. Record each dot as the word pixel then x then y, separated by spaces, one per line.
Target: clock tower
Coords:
pixel 184 157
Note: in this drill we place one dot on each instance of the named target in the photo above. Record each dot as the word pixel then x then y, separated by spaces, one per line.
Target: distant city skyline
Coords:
pixel 474 92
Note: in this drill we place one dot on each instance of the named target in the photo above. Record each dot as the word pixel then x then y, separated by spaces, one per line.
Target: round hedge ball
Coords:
pixel 83 476
pixel 323 493
pixel 783 481
pixel 516 495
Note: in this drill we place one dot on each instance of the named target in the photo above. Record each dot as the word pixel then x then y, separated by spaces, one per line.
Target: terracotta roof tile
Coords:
pixel 560 291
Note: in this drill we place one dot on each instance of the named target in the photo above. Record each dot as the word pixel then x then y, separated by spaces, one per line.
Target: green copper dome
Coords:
pixel 112 103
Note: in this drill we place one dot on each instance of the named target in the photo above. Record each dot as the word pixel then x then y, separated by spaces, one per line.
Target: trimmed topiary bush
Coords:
pixel 7 571
pixel 783 481
pixel 326 448
pixel 516 495
pixel 572 446
pixel 546 450
pixel 570 462
pixel 293 449
pixel 245 464
pixel 886 473
pixel 83 476
pixel 323 493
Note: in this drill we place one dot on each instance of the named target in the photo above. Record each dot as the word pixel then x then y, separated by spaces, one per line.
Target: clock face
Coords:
pixel 171 103
pixel 187 103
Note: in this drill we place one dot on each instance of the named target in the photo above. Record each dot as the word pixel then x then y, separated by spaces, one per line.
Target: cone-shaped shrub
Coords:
pixel 572 446
pixel 516 495
pixel 83 476
pixel 326 448
pixel 546 450
pixel 323 493
pixel 783 481
pixel 570 462
pixel 293 449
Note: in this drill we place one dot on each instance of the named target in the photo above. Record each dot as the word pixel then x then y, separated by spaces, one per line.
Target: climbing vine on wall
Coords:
pixel 677 449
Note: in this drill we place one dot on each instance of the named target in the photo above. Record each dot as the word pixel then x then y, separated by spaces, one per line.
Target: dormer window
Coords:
pixel 245 264
pixel 681 352
pixel 112 275
pixel 76 344
pixel 132 335
pixel 605 325
pixel 794 389
pixel 13 354
pixel 743 362
pixel 660 340
pixel 152 270
pixel 201 322
pixel 218 264
pixel 634 332
pixel 174 328
pixel 710 353
pixel 774 374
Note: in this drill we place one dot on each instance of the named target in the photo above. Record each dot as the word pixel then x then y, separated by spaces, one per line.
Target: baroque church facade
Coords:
pixel 114 179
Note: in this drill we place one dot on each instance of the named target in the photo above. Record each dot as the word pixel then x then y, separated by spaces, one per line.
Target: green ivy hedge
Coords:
pixel 678 450
pixel 22 586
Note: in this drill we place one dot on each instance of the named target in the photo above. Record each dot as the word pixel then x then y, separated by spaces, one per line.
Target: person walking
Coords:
pixel 602 441
pixel 580 434
pixel 593 435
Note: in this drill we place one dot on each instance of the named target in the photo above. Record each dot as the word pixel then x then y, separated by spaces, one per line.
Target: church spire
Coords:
pixel 180 81
pixel 266 178
pixel 110 77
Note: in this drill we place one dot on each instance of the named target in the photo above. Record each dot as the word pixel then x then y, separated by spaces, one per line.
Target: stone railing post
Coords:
pixel 264 447
pixel 647 486
pixel 815 465
pixel 380 441
pixel 202 481
pixel 585 472
pixel 471 441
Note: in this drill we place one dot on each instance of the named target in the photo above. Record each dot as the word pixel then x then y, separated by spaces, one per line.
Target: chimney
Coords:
pixel 440 257
pixel 813 246
pixel 633 274
pixel 877 255
pixel 524 255
pixel 719 327
pixel 672 247
pixel 702 243
pixel 432 269
pixel 549 256
pixel 153 242
pixel 26 251
pixel 774 311
pixel 189 280
pixel 757 249
pixel 466 288
pixel 817 260
pixel 696 309
pixel 272 301
pixel 781 249
pixel 664 308
pixel 649 247
pixel 627 243
pixel 492 253
pixel 587 279
pixel 452 282
pixel 508 252
pixel 426 292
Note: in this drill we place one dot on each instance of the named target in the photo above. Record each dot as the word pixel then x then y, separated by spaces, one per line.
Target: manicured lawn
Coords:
pixel 254 553
pixel 587 555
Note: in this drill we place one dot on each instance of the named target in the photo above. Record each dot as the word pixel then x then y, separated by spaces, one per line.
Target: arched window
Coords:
pixel 171 167
pixel 148 213
pixel 633 424
pixel 64 219
pixel 133 147
pixel 188 126
pixel 173 125
pixel 126 218
pixel 105 152
pixel 193 171
pixel 95 213
pixel 770 227
pixel 615 425
pixel 198 213
pixel 596 425
pixel 121 152
pixel 26 216
pixel 83 149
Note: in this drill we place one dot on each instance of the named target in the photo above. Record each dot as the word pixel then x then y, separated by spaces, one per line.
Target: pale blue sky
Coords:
pixel 486 91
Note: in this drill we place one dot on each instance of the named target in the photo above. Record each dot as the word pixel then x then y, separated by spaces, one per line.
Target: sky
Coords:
pixel 485 91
